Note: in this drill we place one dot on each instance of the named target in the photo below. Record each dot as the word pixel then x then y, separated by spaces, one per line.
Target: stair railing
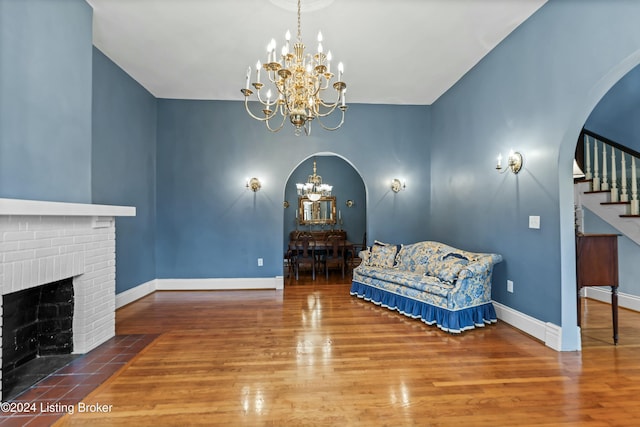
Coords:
pixel 597 170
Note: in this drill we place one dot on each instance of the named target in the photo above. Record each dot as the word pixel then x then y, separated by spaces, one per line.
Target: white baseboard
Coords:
pixel 220 284
pixel 603 294
pixel 133 294
pixel 549 333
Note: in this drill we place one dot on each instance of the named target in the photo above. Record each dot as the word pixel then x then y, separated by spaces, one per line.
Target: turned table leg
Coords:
pixel 614 312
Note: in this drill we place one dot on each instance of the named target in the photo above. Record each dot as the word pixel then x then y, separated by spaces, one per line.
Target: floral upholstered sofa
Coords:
pixel 430 281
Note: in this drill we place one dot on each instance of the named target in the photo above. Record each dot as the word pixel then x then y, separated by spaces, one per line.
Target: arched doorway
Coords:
pixel 348 188
pixel 570 339
pixel 611 127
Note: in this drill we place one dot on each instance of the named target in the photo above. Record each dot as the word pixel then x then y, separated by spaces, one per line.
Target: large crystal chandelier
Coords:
pixel 314 189
pixel 299 82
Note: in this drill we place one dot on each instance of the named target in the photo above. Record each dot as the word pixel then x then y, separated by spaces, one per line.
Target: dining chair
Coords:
pixel 335 255
pixel 305 255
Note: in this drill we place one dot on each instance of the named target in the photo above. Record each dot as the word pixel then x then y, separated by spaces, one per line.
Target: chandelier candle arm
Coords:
pixel 299 82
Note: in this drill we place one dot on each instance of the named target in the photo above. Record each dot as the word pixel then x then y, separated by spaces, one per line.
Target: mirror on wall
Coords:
pixel 321 212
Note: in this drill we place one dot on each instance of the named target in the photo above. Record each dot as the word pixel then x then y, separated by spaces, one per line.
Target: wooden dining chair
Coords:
pixel 305 255
pixel 335 256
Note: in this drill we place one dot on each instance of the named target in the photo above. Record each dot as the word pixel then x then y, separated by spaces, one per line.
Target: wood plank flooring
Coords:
pixel 313 355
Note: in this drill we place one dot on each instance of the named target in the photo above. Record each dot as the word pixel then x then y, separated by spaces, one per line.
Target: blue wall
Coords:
pixel 124 166
pixel 617 115
pixel 210 225
pixel 347 185
pixel 532 93
pixel 45 100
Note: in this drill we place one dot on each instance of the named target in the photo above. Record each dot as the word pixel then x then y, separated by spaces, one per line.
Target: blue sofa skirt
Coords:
pixel 447 320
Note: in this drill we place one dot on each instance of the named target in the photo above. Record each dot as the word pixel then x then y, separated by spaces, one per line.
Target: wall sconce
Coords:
pixel 349 203
pixel 254 184
pixel 514 162
pixel 397 185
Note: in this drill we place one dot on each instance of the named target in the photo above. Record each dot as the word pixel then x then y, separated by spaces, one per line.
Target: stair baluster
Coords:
pixel 587 160
pixel 634 188
pixel 596 176
pixel 619 205
pixel 614 176
pixel 605 182
pixel 624 197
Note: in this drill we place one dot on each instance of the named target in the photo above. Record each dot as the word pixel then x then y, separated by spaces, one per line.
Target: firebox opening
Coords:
pixel 37 334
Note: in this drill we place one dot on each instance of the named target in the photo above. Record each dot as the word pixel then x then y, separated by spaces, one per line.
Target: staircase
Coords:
pixel 613 199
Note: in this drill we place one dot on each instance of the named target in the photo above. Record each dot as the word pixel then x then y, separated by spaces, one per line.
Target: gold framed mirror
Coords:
pixel 321 212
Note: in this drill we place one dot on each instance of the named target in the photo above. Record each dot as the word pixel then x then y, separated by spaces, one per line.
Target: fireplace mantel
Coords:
pixel 17 207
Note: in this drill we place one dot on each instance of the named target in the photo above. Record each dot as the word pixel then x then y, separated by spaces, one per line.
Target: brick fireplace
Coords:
pixel 45 242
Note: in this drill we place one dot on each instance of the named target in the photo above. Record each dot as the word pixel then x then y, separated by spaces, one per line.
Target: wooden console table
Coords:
pixel 597 265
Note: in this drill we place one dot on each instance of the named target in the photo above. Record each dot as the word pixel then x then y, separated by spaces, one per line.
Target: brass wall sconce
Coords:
pixel 254 184
pixel 514 162
pixel 397 185
pixel 349 203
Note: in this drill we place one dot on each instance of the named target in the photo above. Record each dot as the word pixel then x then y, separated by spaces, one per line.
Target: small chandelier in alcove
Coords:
pixel 314 189
pixel 298 85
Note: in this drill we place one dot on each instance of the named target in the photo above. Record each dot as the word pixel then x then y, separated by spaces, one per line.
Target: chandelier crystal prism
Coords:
pixel 314 189
pixel 296 84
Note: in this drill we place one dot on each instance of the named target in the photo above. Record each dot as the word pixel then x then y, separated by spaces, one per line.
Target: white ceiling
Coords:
pixel 394 52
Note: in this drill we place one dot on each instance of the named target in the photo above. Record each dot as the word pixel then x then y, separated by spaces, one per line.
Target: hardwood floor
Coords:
pixel 313 355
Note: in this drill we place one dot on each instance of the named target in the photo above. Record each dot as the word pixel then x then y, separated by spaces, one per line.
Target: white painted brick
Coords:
pixel 29 222
pixel 65 268
pixel 72 248
pixel 78 261
pixel 35 272
pixel 42 270
pixel 47 234
pixel 62 241
pixel 100 237
pixel 93 254
pixel 81 239
pixel 15 256
pixel 74 271
pixel 26 274
pixel 98 260
pixel 109 245
pixel 12 236
pixel 82 221
pixel 92 246
pixel 9 246
pixel 49 272
pixel 57 268
pixel 16 280
pixel 50 223
pixel 7 224
pixel 6 280
pixel 47 252
pixel 35 244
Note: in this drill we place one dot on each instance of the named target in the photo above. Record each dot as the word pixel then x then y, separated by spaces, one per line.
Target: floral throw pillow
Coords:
pixel 382 255
pixel 446 268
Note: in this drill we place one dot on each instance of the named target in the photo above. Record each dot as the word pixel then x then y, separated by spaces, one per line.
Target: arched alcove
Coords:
pixel 348 185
